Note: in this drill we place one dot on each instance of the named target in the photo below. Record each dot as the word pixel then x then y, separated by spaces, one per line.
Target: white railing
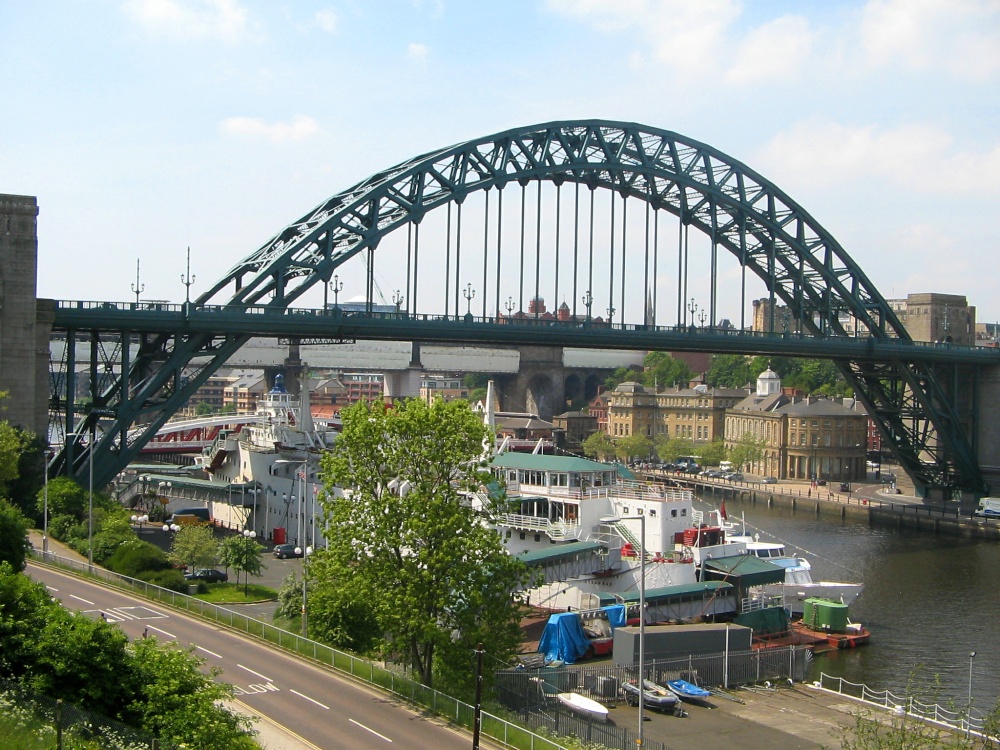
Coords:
pixel 560 530
pixel 957 719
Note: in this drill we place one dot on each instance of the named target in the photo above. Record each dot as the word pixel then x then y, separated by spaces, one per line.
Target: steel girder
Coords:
pixel 800 263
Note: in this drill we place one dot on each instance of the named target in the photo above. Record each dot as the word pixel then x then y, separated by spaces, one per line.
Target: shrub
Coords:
pixel 168 579
pixel 134 558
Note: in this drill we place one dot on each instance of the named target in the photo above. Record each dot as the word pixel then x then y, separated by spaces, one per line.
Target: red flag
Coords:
pixel 722 511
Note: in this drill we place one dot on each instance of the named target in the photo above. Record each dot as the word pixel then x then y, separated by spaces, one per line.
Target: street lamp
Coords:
pixel 90 500
pixel 171 527
pixel 249 535
pixel 972 655
pixel 335 286
pixel 469 293
pixel 139 521
pixel 299 528
pixel 45 511
pixel 588 300
pixel 305 572
pixel 613 520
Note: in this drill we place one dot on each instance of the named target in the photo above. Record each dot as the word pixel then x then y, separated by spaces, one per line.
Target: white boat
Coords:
pixel 798 585
pixel 583 706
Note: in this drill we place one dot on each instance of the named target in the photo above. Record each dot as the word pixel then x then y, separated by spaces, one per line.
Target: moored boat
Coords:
pixel 653 695
pixel 688 691
pixel 583 706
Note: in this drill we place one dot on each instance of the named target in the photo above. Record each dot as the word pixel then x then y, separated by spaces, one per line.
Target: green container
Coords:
pixel 823 614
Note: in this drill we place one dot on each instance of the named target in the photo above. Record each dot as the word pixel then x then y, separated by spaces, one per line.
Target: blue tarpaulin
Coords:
pixel 616 615
pixel 563 638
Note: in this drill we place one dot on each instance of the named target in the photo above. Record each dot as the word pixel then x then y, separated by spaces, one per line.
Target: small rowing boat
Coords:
pixel 688 691
pixel 583 706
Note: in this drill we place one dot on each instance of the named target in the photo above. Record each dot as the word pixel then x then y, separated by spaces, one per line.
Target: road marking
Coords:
pixel 309 699
pixel 211 653
pixel 256 674
pixel 141 613
pixel 52 589
pixel 80 598
pixel 369 729
pixel 169 635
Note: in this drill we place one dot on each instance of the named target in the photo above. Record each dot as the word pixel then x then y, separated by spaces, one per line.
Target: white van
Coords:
pixel 989 507
pixel 725 465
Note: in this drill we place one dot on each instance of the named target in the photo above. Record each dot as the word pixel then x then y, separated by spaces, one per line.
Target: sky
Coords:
pixel 147 127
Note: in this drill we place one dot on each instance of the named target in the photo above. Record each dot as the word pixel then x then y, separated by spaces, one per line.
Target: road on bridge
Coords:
pixel 315 708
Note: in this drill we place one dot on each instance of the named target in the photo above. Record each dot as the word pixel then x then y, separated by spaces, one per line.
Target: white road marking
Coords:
pixel 369 729
pixel 309 699
pixel 52 589
pixel 80 598
pixel 141 613
pixel 169 635
pixel 256 674
pixel 211 653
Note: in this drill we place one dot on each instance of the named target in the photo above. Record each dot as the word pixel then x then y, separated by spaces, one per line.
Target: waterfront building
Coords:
pixel 695 413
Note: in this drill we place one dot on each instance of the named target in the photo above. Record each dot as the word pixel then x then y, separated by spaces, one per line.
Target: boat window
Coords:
pixel 673 513
pixel 652 512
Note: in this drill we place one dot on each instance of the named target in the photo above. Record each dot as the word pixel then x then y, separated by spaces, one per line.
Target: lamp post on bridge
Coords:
pixel 336 286
pixel 137 288
pixel 397 300
pixel 509 305
pixel 588 300
pixel 187 280
pixel 468 293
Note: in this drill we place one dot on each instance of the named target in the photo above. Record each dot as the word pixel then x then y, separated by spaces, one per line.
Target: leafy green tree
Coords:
pixel 670 449
pixel 599 445
pixel 747 451
pixel 30 478
pixel 180 703
pixel 194 546
pixel 712 454
pixel 25 606
pixel 13 536
pixel 438 579
pixel 138 557
pixel 11 444
pixel 633 446
pixel 111 531
pixel 661 370
pixel 242 554
pixel 337 614
pixel 66 498
pixel 728 371
pixel 203 409
pixel 620 375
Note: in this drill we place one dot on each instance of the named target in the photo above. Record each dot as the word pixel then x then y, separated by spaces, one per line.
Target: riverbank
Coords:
pixel 876 507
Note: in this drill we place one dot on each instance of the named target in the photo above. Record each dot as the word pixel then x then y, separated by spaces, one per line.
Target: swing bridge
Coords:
pixel 594 216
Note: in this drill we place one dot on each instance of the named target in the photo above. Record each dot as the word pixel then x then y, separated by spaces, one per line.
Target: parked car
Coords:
pixel 209 575
pixel 283 551
pixel 769 480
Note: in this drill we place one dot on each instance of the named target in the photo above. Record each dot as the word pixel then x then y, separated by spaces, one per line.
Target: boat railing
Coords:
pixel 558 530
pixel 626 491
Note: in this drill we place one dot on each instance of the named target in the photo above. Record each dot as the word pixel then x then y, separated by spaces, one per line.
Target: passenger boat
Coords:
pixel 688 691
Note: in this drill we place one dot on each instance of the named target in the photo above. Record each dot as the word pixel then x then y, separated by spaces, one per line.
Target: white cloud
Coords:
pixel 327 20
pixel 417 52
pixel 299 128
pixel 919 157
pixel 775 51
pixel 184 19
pixel 960 36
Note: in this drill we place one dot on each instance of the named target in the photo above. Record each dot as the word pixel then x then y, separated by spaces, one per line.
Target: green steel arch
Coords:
pixel 770 235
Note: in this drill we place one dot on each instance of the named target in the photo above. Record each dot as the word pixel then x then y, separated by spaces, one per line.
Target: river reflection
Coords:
pixel 928 601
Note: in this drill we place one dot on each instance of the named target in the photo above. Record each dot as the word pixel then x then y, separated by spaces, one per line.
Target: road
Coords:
pixel 314 707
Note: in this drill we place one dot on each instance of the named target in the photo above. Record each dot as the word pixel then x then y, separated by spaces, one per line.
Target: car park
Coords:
pixel 283 551
pixel 209 575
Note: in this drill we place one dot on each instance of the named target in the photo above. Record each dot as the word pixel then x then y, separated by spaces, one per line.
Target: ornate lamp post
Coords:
pixel 588 300
pixel 187 280
pixel 468 293
pixel 335 286
pixel 397 300
pixel 137 288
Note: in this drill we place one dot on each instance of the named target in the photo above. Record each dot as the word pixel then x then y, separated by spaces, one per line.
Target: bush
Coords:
pixel 134 558
pixel 167 579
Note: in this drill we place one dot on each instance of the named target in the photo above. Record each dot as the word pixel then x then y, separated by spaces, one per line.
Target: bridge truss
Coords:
pixel 146 363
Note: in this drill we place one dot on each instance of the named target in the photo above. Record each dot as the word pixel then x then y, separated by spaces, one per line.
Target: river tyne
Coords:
pixel 929 601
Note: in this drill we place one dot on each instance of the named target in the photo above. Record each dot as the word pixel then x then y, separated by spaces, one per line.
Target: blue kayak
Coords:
pixel 688 691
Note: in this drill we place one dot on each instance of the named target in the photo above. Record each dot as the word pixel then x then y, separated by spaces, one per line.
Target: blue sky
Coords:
pixel 147 126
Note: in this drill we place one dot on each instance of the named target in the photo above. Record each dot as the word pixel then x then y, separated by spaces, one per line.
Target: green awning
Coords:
pixel 666 594
pixel 557 553
pixel 748 570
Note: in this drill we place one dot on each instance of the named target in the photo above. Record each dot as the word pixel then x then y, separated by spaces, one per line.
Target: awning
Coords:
pixel 747 570
pixel 559 553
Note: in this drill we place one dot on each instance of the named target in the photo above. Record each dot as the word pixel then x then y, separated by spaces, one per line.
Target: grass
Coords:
pixel 231 593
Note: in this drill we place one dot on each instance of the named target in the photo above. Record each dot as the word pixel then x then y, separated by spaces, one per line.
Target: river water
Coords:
pixel 929 601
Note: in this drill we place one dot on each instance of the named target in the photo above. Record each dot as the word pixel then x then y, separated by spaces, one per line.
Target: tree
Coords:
pixel 437 578
pixel 661 370
pixel 747 451
pixel 181 704
pixel 633 446
pixel 13 536
pixel 712 454
pixel 599 445
pixel 728 371
pixel 242 554
pixel 671 449
pixel 66 498
pixel 203 409
pixel 620 375
pixel 194 546
pixel 25 606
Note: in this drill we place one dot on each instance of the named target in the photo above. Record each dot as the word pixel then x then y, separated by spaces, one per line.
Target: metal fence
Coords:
pixel 523 691
pixel 61 722
pixel 493 727
pixel 964 720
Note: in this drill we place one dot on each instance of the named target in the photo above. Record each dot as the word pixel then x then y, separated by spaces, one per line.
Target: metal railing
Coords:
pixel 493 727
pixel 963 720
